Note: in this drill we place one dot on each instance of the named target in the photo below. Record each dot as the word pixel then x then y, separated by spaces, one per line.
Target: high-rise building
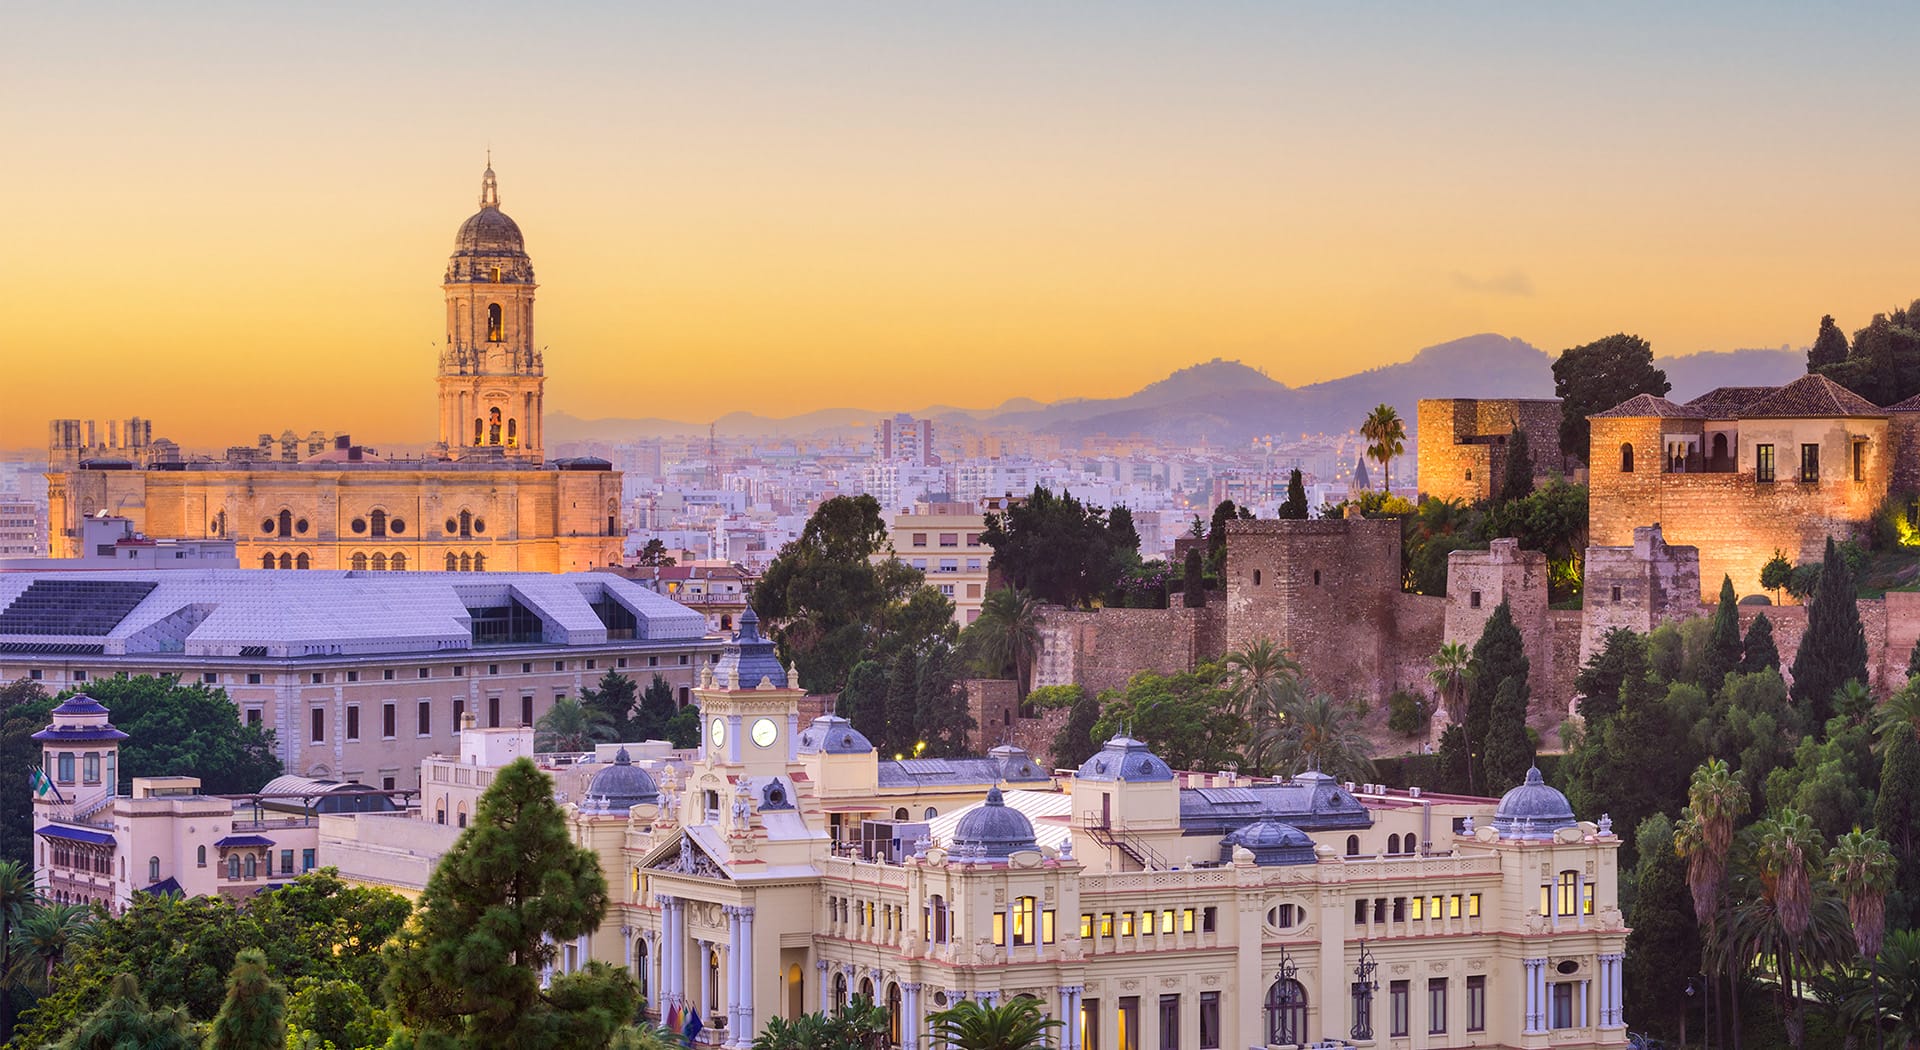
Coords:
pixel 904 439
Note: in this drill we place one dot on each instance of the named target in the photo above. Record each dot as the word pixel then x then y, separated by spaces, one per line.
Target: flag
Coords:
pixel 672 1020
pixel 43 784
pixel 692 1031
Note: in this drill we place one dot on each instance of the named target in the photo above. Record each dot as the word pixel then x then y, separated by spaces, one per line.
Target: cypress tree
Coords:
pixel 1622 658
pixel 1896 818
pixel 1723 646
pixel 1295 508
pixel 902 704
pixel 466 968
pixel 254 1017
pixel 1834 649
pixel 1193 589
pixel 1666 937
pixel 1913 663
pixel 864 700
pixel 1518 482
pixel 1509 749
pixel 1497 656
pixel 1757 651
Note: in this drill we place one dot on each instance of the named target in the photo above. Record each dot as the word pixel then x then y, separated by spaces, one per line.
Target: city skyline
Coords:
pixel 236 224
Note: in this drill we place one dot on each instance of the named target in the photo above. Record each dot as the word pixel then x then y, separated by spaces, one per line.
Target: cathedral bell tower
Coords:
pixel 491 376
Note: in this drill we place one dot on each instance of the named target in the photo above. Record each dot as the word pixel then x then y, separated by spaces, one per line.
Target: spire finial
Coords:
pixel 489 189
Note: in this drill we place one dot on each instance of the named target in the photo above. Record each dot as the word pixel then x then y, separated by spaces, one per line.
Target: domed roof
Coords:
pixel 833 735
pixel 991 831
pixel 489 231
pixel 1124 758
pixel 620 787
pixel 748 658
pixel 1270 842
pixel 1532 811
pixel 79 719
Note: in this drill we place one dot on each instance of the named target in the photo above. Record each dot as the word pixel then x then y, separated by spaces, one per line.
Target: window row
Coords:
pixel 1398 845
pixel 1415 909
pixel 1400 1006
pixel 946 539
pixel 1126 923
pixel 1683 458
pixel 62 765
pixel 1569 894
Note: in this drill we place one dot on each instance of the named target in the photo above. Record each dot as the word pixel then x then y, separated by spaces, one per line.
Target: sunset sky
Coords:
pixel 237 220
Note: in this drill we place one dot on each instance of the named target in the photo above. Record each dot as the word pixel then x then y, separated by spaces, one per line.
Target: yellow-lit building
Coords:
pixel 943 541
pixel 784 868
pixel 484 498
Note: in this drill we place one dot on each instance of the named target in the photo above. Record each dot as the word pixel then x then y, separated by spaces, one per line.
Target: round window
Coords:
pixel 397 525
pixel 452 526
pixel 479 525
pixel 300 526
pixel 765 733
pixel 717 732
pixel 266 527
pixel 359 525
pixel 1568 966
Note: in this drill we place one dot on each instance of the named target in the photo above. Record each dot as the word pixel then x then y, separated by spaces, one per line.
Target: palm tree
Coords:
pixel 1784 920
pixel 1319 732
pixel 17 894
pixel 1265 680
pixel 1386 438
pixel 1862 867
pixel 1450 671
pixel 1893 1007
pixel 41 941
pixel 1008 630
pixel 1017 1024
pixel 571 726
pixel 1902 712
pixel 1716 798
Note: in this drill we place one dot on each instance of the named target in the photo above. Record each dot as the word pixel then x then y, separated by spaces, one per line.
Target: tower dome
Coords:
pixel 1270 842
pixel 620 787
pixel 489 231
pixel 833 735
pixel 1533 810
pixel 1124 758
pixel 992 831
pixel 748 658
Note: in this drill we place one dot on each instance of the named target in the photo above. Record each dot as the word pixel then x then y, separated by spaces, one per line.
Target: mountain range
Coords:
pixel 1226 402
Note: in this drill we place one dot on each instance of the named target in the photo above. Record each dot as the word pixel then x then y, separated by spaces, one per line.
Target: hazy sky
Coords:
pixel 236 220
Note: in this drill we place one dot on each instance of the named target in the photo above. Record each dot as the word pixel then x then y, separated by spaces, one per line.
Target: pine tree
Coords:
pixel 125 1020
pixel 1834 649
pixel 614 697
pixel 1295 508
pixel 1518 482
pixel 254 1017
pixel 1723 646
pixel 1509 749
pixel 1757 651
pixel 1497 656
pixel 1896 818
pixel 467 967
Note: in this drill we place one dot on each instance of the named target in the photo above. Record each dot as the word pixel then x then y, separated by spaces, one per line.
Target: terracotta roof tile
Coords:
pixel 1812 397
pixel 1729 399
pixel 1648 406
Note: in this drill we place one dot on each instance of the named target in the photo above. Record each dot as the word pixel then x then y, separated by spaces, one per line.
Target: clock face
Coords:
pixel 764 732
pixel 717 732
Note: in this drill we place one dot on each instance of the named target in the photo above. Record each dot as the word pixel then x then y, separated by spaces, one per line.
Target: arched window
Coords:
pixel 233 868
pixel 866 988
pixel 460 818
pixel 466 563
pixel 893 1014
pixel 359 563
pixel 250 866
pixel 479 428
pixel 839 993
pixel 1720 446
pixel 494 327
pixel 479 563
pixel 286 561
pixel 379 563
pixel 1286 1012
pixel 377 521
pixel 398 563
pixel 440 812
pixel 1393 843
pixel 266 561
pixel 153 870
pixel 1626 458
pixel 466 523
pixel 900 814
pixel 453 563
pixel 930 813
pixel 286 523
pixel 1353 845
pixel 200 857
pixel 302 561
pixel 513 432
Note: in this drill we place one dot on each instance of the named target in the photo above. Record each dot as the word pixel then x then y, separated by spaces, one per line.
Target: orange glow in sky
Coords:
pixel 236 221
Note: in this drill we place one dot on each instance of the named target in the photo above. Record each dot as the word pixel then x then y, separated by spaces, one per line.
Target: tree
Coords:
pixel 1829 346
pixel 1757 651
pixel 1447 671
pixel 513 885
pixel 1497 656
pixel 1509 749
pixel 572 726
pixel 17 896
pixel 25 709
pixel 1016 1024
pixel 1896 816
pixel 683 729
pixel 940 716
pixel 42 940
pixel 124 1020
pixel 1834 647
pixel 1778 921
pixel 1862 867
pixel 1913 662
pixel 1724 650
pixel 1665 940
pixel 1597 376
pixel 1223 512
pixel 1295 508
pixel 1704 838
pixel 1622 659
pixel 1193 586
pixel 1518 480
pixel 337 1012
pixel 654 554
pixel 1060 550
pixel 1386 437
pixel 1265 681
pixel 1121 531
pixel 656 707
pixel 1007 634
pixel 864 701
pixel 1319 732
pixel 615 697
pixel 1186 717
pixel 185 729
pixel 860 1025
pixel 1777 574
pixel 254 1017
pixel 902 704
pixel 1074 742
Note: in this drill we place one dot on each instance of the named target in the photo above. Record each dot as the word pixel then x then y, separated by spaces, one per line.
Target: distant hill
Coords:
pixel 1226 402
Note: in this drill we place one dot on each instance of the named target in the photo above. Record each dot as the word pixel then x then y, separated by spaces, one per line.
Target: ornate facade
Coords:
pixel 483 499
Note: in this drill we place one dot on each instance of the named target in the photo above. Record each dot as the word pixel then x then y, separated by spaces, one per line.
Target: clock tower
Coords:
pixel 491 376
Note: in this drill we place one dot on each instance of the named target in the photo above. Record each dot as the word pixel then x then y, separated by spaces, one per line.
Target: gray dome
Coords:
pixel 489 232
pixel 1016 764
pixel 991 831
pixel 1124 758
pixel 1270 842
pixel 1532 811
pixel 833 735
pixel 620 787
pixel 749 657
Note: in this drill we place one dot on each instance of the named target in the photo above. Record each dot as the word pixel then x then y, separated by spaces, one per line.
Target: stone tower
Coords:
pixel 491 376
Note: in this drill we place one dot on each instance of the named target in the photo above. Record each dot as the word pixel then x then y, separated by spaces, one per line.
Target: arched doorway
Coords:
pixel 641 969
pixel 839 993
pixel 893 1013
pixel 1286 1012
pixel 796 993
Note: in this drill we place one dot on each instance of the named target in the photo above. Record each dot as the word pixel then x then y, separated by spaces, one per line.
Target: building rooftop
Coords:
pixel 1811 397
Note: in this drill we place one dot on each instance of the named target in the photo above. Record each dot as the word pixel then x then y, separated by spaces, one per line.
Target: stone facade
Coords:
pixel 995 708
pixel 1104 649
pixel 1463 443
pixel 1638 587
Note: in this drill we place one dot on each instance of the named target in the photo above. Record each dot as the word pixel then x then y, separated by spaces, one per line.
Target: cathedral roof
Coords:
pixel 489 231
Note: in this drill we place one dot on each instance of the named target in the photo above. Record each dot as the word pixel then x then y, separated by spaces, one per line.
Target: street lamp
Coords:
pixel 1279 1026
pixel 1363 988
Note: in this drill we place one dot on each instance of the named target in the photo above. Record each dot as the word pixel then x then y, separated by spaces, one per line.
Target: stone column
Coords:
pixel 733 974
pixel 793 730
pixel 1530 970
pixel 733 735
pixel 826 990
pixel 748 1026
pixel 1580 1005
pixel 1579 899
pixel 663 948
pixel 1039 927
pixel 706 984
pixel 909 1017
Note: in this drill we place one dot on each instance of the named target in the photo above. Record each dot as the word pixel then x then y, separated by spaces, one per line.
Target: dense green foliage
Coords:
pixel 1834 648
pixel 1186 717
pixel 571 725
pixel 1060 550
pixel 1509 748
pixel 1517 481
pixel 1075 742
pixel 1019 1023
pixel 1665 941
pixel 829 603
pixel 1829 345
pixel 189 730
pixel 124 1021
pixel 1004 640
pixel 1597 376
pixel 1883 364
pixel 617 700
pixel 1498 656
pixel 24 711
pixel 1757 651
pixel 861 1025
pixel 254 1017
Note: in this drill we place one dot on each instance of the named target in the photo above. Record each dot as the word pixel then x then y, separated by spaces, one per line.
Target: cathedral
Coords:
pixel 484 498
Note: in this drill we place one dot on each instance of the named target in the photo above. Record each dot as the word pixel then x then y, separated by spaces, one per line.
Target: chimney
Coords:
pixel 342 441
